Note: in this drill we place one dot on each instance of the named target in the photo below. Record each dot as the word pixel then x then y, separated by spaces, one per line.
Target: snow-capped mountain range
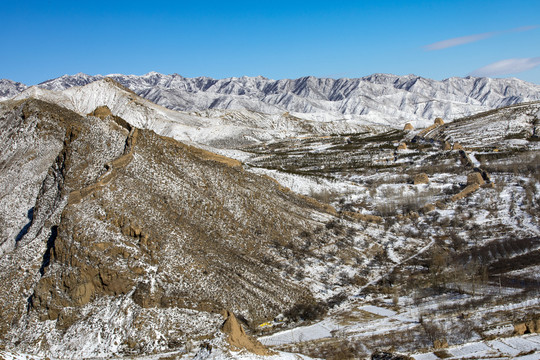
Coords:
pixel 215 128
pixel 9 88
pixel 378 98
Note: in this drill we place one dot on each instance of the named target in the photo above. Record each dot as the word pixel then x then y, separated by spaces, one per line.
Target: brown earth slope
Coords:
pixel 134 240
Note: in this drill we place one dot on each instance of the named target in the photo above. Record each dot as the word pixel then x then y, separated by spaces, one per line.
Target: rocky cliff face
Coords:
pixel 118 240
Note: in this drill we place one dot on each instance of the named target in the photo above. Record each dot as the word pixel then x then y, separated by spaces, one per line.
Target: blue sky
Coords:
pixel 276 39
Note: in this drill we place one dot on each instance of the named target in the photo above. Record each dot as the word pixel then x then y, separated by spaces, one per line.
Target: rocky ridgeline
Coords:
pixel 475 179
pixel 530 326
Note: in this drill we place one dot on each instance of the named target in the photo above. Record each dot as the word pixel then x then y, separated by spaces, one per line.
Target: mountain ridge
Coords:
pixel 382 98
pixel 213 127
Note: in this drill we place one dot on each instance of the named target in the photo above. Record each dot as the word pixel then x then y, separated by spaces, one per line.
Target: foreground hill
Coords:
pixel 116 239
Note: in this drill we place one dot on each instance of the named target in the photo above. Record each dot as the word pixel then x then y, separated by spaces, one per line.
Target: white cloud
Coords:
pixel 508 66
pixel 458 41
pixel 473 38
pixel 524 28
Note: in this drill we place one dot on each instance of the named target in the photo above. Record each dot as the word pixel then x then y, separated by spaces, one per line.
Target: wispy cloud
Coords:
pixel 524 28
pixel 473 38
pixel 458 41
pixel 508 66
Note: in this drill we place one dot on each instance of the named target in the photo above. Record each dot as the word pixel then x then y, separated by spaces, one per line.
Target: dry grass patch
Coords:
pixel 355 316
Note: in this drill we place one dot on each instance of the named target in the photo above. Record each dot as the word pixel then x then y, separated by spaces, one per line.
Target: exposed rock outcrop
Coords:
pixel 239 340
pixel 475 178
pixel 438 121
pixel 401 146
pixel 440 344
pixel 520 329
pixel 101 112
pixel 530 326
pixel 420 179
pixel 466 192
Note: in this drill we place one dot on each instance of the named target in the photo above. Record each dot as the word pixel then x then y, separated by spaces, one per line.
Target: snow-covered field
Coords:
pixel 525 347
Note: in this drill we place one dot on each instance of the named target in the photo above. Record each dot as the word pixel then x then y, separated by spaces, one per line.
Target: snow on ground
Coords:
pixel 521 305
pixel 365 320
pixel 216 353
pixel 5 355
pixel 474 160
pixel 306 185
pixel 320 330
pixel 220 355
pixel 473 349
pixel 507 348
pixel 326 328
pixel 378 310
pixel 531 272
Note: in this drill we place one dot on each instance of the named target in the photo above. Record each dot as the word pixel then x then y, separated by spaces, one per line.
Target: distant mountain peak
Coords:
pixel 377 98
pixel 9 88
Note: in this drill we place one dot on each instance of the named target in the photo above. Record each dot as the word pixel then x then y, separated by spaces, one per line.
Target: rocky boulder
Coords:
pixel 101 112
pixel 530 326
pixel 421 178
pixel 475 178
pixel 401 146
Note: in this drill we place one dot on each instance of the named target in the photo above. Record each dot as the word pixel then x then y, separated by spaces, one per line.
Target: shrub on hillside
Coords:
pixel 306 311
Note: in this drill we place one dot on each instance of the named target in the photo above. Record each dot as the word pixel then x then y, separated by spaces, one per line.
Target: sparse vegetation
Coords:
pixel 388 263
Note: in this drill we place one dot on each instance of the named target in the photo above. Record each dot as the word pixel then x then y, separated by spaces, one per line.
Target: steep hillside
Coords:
pixel 117 240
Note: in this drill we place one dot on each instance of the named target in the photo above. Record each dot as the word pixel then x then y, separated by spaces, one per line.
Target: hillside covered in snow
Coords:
pixel 125 232
pixel 378 98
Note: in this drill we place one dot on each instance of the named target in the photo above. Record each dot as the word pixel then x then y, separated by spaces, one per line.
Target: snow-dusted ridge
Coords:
pixel 380 98
pixel 10 88
pixel 216 128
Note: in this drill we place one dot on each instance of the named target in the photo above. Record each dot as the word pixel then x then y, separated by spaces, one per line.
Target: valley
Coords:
pixel 128 228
